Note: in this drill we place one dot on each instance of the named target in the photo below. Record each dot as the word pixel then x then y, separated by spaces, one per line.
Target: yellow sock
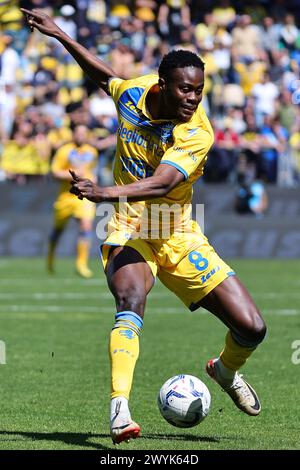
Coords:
pixel 83 250
pixel 124 352
pixel 234 355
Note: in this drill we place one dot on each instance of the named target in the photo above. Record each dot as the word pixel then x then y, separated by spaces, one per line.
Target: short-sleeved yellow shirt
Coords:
pixel 144 143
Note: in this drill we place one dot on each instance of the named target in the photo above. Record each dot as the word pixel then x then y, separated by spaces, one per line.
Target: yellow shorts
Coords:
pixel 185 263
pixel 67 205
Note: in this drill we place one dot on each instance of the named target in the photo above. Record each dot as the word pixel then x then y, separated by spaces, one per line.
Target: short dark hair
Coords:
pixel 178 59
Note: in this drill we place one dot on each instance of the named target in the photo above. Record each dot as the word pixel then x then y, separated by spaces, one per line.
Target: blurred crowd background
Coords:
pixel 251 51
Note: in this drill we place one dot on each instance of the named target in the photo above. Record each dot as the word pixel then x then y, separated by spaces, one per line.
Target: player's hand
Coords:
pixel 39 20
pixel 83 187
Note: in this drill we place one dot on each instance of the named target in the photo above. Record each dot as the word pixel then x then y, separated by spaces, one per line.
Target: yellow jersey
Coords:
pixel 144 143
pixel 82 158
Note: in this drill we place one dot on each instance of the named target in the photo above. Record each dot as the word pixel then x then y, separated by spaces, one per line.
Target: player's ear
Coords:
pixel 162 84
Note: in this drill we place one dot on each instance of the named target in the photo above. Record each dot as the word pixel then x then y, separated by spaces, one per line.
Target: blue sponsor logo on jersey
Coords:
pixel 207 276
pixel 148 141
pixel 136 167
pixel 167 132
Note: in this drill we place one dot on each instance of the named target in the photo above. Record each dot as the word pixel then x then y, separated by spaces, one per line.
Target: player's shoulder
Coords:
pixel 198 127
pixel 141 82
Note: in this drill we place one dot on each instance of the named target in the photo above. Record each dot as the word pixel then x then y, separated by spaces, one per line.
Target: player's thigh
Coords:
pixel 129 278
pixel 231 302
pixel 63 210
pixel 84 210
pixel 197 273
pixel 60 218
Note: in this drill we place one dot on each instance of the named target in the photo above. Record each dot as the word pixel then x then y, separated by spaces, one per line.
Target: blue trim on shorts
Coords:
pixel 168 162
pixel 108 244
pixel 195 306
pixel 100 251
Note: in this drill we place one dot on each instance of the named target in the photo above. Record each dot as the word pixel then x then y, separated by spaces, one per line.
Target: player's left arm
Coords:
pixel 165 179
pixel 178 163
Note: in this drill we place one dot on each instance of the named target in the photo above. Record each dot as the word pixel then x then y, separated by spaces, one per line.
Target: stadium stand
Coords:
pixel 252 54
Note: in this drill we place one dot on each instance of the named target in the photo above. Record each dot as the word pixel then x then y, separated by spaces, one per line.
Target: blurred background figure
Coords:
pixel 82 158
pixel 251 195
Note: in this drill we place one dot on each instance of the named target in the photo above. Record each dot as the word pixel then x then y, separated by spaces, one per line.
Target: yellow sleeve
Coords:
pixel 187 154
pixel 115 88
pixel 60 159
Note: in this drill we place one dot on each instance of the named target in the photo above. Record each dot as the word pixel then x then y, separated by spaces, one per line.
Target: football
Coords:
pixel 184 401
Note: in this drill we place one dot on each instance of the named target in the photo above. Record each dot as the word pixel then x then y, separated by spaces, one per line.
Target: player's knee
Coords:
pixel 131 298
pixel 258 329
pixel 252 331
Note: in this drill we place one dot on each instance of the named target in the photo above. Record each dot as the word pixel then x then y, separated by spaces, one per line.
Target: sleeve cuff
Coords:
pixel 179 168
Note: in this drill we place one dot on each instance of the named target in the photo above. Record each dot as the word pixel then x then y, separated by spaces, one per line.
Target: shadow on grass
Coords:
pixel 179 437
pixel 82 440
pixel 71 438
pixel 185 437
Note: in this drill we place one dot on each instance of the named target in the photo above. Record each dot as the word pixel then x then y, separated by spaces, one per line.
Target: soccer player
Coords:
pixel 83 158
pixel 163 140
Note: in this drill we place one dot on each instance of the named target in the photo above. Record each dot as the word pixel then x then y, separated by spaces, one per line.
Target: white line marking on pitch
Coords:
pixel 68 281
pixel 95 309
pixel 67 295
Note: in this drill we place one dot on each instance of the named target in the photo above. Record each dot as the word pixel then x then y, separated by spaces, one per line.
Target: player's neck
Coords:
pixel 155 104
pixel 152 101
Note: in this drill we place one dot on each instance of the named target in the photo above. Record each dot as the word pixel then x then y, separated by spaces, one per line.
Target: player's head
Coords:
pixel 181 81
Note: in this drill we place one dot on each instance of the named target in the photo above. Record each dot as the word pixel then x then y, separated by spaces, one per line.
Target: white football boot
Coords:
pixel 122 428
pixel 239 391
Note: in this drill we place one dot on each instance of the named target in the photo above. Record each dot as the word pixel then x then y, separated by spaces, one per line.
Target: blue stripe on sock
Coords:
pixel 130 316
pixel 85 234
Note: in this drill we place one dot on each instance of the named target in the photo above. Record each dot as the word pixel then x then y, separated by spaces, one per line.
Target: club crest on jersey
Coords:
pixel 167 132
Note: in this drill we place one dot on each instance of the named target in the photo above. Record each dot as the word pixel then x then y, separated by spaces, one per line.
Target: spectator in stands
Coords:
pixel 251 142
pixel 65 21
pixel 265 94
pixel 173 15
pixel 246 40
pixel 10 60
pixel 224 14
pixel 227 145
pixel 287 111
pixel 251 196
pixel 252 59
pixel 273 141
pixel 25 155
pixel 295 145
pixel 289 32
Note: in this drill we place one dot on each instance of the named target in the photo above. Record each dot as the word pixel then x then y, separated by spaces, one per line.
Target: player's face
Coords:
pixel 182 93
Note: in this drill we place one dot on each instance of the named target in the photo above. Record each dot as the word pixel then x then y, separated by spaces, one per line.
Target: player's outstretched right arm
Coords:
pixel 97 70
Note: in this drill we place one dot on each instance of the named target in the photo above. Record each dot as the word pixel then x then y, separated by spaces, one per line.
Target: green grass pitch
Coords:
pixel 54 387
